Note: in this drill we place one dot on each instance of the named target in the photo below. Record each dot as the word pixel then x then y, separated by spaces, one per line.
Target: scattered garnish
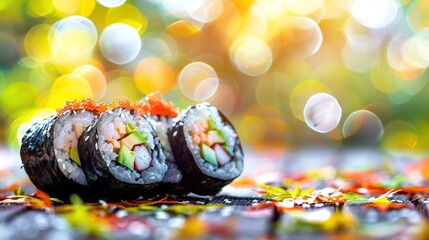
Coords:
pixel 191 209
pixel 354 197
pixel 280 194
pixel 19 191
pixel 193 228
pixel 83 220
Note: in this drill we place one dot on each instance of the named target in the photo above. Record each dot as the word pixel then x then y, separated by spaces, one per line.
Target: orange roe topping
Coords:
pixel 82 104
pixel 154 104
pixel 123 102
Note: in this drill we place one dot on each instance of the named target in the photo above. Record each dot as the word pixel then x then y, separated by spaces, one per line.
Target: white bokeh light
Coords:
pixel 198 81
pixel 322 112
pixel 120 43
pixel 374 14
pixel 74 35
pixel 251 55
pixel 111 3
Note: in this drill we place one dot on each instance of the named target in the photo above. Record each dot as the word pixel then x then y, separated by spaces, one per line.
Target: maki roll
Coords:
pixel 121 153
pixel 49 149
pixel 206 148
pixel 160 114
pixel 173 175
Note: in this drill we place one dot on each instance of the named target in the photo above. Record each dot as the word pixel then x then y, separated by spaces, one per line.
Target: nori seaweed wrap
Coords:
pixel 207 149
pixel 50 157
pixel 121 155
pixel 173 175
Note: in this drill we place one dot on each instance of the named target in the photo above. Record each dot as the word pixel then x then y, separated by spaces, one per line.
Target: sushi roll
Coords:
pixel 173 175
pixel 121 154
pixel 160 114
pixel 49 150
pixel 206 148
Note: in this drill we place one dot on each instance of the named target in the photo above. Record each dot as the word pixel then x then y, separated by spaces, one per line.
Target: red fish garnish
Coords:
pixel 154 104
pixel 82 104
pixel 123 102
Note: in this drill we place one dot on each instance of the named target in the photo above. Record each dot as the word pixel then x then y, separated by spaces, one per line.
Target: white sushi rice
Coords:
pixel 160 124
pixel 201 113
pixel 66 138
pixel 106 128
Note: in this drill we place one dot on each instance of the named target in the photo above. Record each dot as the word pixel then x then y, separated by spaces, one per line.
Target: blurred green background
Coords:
pixel 259 61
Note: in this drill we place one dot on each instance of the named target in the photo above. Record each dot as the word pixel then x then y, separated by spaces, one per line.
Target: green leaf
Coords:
pixel 307 191
pixel 296 192
pixel 381 199
pixel 394 182
pixel 19 191
pixel 274 190
pixel 354 197
pixel 190 208
pixel 56 200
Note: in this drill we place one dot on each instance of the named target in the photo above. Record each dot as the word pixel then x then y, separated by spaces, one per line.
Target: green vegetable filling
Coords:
pixel 74 156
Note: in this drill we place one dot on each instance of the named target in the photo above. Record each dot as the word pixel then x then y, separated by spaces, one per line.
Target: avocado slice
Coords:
pixel 74 156
pixel 130 128
pixel 134 138
pixel 126 157
pixel 208 154
pixel 217 136
pixel 211 124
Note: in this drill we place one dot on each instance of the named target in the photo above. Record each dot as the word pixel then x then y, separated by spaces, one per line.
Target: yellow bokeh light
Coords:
pixel 68 87
pixel 304 7
pixel 120 87
pixel 400 135
pixel 251 55
pixel 258 127
pixel 18 97
pixel 73 35
pixel 37 45
pixel 20 125
pixel 183 28
pixel 74 7
pixel 129 15
pixel 39 8
pixel 95 78
pixel 153 74
pixel 198 81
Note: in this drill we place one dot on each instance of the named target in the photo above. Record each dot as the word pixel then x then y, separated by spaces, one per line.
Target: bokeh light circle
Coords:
pixel 120 43
pixel 127 14
pixel 304 7
pixel 374 14
pixel 75 35
pixel 415 51
pixel 305 36
pixel 95 78
pixel 37 45
pixel 206 10
pixel 301 93
pixel 67 87
pixel 73 7
pixel 39 8
pixel 18 96
pixel 180 9
pixel 198 81
pixel 119 87
pixel 322 112
pixel 363 127
pixel 153 74
pixel 251 55
pixel 111 3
